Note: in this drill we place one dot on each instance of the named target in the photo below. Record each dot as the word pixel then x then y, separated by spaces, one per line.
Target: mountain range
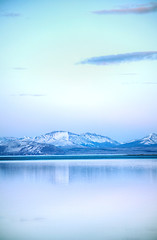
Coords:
pixel 62 142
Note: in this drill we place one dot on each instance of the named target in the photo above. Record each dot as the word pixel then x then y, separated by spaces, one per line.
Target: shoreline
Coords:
pixel 76 157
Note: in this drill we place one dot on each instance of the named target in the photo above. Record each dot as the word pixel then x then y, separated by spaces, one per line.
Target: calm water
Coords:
pixel 111 199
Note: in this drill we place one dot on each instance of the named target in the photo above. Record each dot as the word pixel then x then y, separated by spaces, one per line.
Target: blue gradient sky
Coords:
pixel 48 81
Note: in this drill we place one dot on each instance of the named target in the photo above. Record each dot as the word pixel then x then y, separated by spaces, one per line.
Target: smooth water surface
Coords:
pixel 113 199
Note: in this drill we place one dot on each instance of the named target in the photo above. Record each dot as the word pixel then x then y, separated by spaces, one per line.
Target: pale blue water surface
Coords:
pixel 107 199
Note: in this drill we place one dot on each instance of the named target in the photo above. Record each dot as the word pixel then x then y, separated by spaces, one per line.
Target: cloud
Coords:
pixel 20 68
pixel 138 9
pixel 29 95
pixel 11 14
pixel 32 219
pixel 121 58
pixel 141 83
pixel 128 74
pixel 150 83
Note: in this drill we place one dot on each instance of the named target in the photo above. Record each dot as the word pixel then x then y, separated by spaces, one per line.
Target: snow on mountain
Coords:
pixel 26 147
pixel 61 142
pixel 68 139
pixel 5 140
pixel 150 139
pixel 57 138
pixel 99 138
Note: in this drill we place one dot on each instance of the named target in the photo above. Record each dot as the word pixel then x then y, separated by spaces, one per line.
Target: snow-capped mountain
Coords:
pixel 68 139
pixel 62 142
pixel 58 138
pixel 15 146
pixel 92 137
pixel 150 140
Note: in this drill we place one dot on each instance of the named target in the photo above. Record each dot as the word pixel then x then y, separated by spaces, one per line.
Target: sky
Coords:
pixel 78 66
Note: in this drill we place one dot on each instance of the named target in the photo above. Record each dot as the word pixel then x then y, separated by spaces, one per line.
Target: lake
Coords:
pixel 79 199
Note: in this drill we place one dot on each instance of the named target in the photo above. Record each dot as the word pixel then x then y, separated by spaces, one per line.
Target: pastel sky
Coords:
pixel 79 66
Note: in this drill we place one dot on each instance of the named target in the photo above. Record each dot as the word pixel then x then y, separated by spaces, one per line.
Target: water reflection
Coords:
pixel 79 200
pixel 66 172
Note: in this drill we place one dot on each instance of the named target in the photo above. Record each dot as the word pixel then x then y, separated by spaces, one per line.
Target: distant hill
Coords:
pixel 150 140
pixel 62 142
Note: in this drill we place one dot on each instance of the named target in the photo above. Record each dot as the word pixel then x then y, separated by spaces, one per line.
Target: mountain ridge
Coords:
pixel 64 138
pixel 64 142
pixel 150 139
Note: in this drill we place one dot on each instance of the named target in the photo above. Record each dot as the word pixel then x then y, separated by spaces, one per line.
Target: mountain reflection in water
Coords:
pixel 78 199
pixel 67 172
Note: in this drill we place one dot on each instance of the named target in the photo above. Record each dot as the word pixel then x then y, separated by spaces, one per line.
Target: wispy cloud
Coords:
pixel 140 83
pixel 20 68
pixel 150 83
pixel 32 219
pixel 11 14
pixel 138 9
pixel 29 95
pixel 128 74
pixel 121 58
